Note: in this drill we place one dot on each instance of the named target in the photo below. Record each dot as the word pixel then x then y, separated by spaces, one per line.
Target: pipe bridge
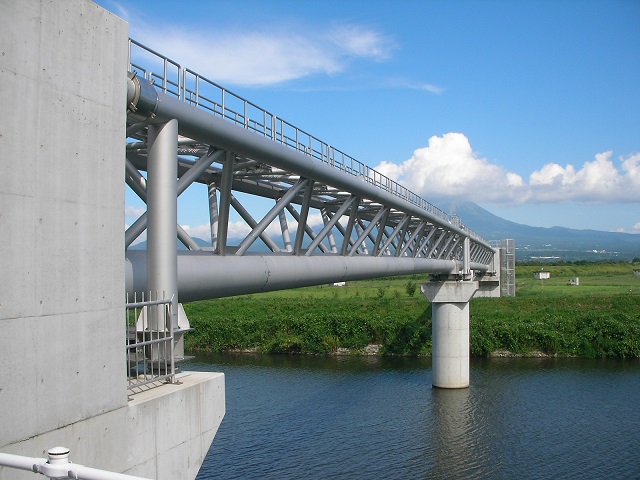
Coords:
pixel 184 129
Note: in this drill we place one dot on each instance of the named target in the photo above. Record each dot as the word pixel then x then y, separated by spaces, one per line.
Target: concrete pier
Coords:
pixel 450 331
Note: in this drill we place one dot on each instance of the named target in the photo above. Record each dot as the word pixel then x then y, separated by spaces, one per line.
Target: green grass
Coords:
pixel 596 279
pixel 598 318
pixel 303 325
pixel 585 326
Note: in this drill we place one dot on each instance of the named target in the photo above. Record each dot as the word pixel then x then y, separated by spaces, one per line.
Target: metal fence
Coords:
pixel 507 249
pixel 186 85
pixel 150 348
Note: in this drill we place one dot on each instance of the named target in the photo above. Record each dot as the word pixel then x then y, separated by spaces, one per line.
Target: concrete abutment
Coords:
pixel 63 380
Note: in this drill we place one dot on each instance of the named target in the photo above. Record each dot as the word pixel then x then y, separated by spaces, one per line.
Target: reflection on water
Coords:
pixel 355 417
pixel 455 454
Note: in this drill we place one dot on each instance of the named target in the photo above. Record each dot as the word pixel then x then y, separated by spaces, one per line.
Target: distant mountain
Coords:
pixel 555 242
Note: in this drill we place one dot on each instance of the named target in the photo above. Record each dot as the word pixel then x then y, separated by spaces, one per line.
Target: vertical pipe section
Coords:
pixel 162 215
pixel 223 209
pixel 284 228
pixel 302 219
pixel 330 236
pixel 381 230
pixel 213 214
pixel 352 220
pixel 466 260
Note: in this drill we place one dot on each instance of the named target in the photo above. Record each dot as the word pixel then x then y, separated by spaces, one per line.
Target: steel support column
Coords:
pixel 213 214
pixel 381 230
pixel 162 215
pixel 466 257
pixel 346 241
pixel 302 218
pixel 332 240
pixel 223 211
pixel 284 228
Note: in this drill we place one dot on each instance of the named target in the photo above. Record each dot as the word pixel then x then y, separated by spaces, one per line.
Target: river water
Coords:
pixel 305 417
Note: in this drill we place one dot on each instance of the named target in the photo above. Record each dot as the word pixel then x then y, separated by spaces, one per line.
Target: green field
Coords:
pixel 598 318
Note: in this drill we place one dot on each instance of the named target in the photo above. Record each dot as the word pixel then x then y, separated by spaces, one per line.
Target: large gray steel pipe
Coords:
pixel 204 275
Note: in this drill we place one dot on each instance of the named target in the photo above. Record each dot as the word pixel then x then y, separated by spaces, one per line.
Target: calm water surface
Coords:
pixel 369 417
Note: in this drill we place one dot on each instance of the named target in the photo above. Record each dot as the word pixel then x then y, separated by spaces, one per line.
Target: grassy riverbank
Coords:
pixel 598 318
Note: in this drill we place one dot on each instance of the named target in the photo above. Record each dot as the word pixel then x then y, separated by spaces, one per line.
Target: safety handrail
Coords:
pixel 58 465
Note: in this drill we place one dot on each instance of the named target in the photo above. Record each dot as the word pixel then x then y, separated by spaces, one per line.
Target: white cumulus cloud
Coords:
pixel 599 180
pixel 448 166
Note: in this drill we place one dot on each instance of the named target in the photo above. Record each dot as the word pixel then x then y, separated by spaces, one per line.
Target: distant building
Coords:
pixel 542 275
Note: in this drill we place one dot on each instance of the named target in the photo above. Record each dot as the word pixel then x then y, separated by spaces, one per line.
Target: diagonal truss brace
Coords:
pixel 327 228
pixel 271 215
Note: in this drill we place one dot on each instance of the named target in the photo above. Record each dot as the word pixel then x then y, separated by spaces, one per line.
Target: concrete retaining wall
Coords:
pixel 63 66
pixel 61 190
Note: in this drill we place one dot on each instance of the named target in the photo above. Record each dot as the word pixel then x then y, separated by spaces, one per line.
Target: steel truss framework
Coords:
pixel 231 150
pixel 353 225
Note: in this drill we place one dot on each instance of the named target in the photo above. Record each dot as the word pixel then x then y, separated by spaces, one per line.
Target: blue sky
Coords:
pixel 530 109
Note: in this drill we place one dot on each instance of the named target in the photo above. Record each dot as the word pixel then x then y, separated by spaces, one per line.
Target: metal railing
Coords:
pixel 150 348
pixel 58 465
pixel 194 89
